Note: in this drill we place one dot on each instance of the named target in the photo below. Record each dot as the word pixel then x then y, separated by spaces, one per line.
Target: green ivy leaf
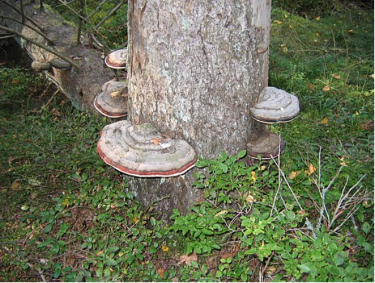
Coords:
pixel 241 154
pixel 304 268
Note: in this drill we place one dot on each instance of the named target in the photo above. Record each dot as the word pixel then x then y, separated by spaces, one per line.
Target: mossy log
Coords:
pixel 80 83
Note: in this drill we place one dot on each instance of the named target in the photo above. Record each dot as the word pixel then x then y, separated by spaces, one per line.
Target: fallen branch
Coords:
pixel 40 45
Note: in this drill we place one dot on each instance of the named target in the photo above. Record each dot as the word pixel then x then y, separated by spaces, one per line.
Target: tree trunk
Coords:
pixel 196 68
pixel 79 85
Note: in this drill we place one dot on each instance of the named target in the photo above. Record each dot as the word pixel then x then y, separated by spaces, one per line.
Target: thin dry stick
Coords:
pixel 30 27
pixel 40 45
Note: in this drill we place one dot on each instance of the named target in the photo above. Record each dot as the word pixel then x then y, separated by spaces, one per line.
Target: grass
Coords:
pixel 66 216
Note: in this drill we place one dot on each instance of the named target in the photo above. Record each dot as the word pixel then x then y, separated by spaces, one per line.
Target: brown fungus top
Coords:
pixel 143 152
pixel 117 59
pixel 113 100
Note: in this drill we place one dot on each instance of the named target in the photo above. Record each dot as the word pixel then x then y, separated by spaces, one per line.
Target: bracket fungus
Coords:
pixel 117 59
pixel 112 101
pixel 266 146
pixel 60 64
pixel 141 151
pixel 275 106
pixel 40 66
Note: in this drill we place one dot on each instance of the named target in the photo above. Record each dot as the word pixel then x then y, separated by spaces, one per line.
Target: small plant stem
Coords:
pixel 22 13
pixel 41 46
pixel 80 21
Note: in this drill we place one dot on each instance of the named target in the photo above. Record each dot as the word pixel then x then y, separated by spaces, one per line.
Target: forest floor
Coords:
pixel 66 216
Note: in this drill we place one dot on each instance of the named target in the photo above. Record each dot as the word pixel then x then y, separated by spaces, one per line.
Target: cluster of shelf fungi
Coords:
pixel 141 151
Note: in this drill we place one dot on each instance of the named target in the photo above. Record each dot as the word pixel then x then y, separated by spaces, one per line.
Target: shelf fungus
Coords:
pixel 112 101
pixel 143 152
pixel 117 59
pixel 275 106
pixel 60 64
pixel 40 66
pixel 268 145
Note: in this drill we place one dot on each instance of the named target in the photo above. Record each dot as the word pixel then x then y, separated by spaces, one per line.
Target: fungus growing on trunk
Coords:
pixel 40 66
pixel 275 106
pixel 117 59
pixel 266 146
pixel 112 101
pixel 60 64
pixel 143 152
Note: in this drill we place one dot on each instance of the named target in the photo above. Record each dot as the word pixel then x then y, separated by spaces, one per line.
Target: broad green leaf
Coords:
pixel 241 154
pixel 112 249
pixel 304 268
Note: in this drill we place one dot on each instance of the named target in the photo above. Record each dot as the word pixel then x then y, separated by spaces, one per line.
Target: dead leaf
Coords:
pixel 310 86
pixel 250 198
pixel 368 125
pixel 226 255
pixel 350 31
pixel 294 174
pixel 317 18
pixel 253 176
pixel 15 81
pixel 99 253
pixel 270 270
pixel 114 94
pixel 15 185
pixel 277 22
pixel 324 121
pixel 338 77
pixel 156 141
pixel 311 170
pixel 326 88
pixel 188 259
pixel 56 113
pixel 161 272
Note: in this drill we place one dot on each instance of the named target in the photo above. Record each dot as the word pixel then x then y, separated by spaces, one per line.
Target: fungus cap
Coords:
pixel 112 101
pixel 143 152
pixel 117 59
pixel 40 66
pixel 267 145
pixel 60 64
pixel 275 106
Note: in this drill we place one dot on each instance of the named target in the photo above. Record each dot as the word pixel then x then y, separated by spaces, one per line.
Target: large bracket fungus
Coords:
pixel 117 59
pixel 273 106
pixel 268 145
pixel 112 101
pixel 141 151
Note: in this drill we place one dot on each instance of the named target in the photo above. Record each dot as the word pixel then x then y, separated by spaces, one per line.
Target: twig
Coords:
pixel 49 100
pixel 30 27
pixel 109 14
pixel 26 17
pixel 41 46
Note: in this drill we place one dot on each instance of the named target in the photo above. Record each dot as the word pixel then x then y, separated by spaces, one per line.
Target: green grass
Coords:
pixel 66 216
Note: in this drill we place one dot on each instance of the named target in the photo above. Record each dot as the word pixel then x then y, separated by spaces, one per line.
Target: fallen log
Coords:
pixel 79 71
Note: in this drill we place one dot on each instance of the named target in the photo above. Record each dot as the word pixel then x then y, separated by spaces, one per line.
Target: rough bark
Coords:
pixel 79 85
pixel 196 67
